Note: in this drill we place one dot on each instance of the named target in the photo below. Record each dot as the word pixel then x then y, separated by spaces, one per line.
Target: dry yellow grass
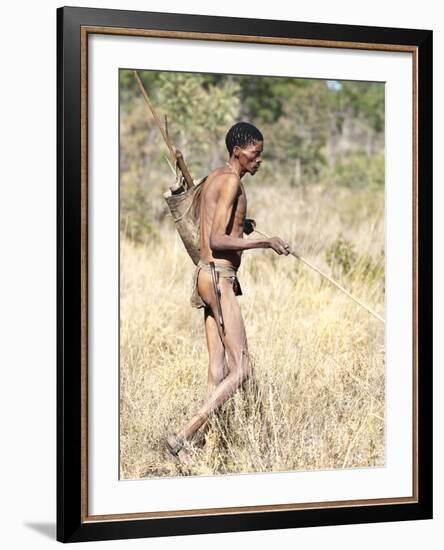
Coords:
pixel 316 400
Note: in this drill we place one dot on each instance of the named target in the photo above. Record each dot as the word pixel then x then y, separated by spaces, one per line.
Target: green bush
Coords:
pixel 341 256
pixel 302 120
pixel 358 170
pixel 136 216
pixel 343 260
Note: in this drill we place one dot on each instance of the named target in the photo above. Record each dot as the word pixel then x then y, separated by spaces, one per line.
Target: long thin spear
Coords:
pixel 332 281
pixel 156 118
pixel 175 155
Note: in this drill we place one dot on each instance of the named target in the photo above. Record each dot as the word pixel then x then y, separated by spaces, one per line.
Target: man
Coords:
pixel 223 210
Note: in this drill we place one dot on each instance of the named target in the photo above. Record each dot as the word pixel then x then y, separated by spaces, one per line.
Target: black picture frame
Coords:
pixel 73 522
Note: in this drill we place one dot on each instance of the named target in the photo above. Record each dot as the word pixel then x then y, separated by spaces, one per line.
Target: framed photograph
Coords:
pixel 244 274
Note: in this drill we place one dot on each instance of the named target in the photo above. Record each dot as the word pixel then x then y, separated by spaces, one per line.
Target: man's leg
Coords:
pixel 216 353
pixel 236 348
pixel 216 360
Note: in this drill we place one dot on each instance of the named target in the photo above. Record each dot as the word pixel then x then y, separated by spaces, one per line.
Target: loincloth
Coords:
pixel 225 272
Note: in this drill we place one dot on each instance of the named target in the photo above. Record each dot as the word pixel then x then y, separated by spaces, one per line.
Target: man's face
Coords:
pixel 250 156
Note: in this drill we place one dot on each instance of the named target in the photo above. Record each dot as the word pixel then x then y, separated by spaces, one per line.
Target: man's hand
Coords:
pixel 279 246
pixel 249 225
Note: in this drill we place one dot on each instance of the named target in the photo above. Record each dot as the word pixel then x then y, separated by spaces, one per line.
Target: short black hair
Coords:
pixel 241 134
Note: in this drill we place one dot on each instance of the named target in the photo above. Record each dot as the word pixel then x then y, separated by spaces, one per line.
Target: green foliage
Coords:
pixel 341 256
pixel 363 100
pixel 136 217
pixel 343 260
pixel 303 131
pixel 314 133
pixel 128 86
pixel 199 114
pixel 358 170
pixel 265 99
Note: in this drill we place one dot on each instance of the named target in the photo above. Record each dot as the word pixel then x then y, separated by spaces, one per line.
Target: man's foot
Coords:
pixel 175 444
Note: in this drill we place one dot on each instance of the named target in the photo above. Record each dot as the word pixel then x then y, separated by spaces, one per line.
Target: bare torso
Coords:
pixel 235 227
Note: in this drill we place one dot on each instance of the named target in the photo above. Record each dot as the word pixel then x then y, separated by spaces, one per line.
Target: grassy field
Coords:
pixel 316 400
